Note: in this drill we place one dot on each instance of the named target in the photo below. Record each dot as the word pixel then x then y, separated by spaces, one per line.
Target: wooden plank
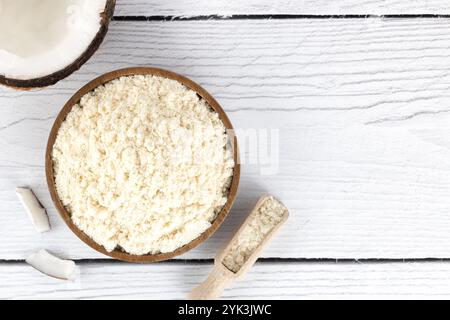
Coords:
pixel 273 281
pixel 362 112
pixel 302 7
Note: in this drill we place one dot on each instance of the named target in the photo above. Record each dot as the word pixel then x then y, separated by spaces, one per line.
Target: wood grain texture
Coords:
pixel 362 109
pixel 293 281
pixel 315 7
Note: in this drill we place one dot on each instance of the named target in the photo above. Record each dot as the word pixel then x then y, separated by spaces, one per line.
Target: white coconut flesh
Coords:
pixel 41 37
pixel 36 213
pixel 53 266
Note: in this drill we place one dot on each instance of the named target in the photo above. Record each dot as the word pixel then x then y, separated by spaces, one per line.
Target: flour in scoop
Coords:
pixel 261 222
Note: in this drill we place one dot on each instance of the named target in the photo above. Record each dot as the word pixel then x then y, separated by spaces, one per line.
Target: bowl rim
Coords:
pixel 103 79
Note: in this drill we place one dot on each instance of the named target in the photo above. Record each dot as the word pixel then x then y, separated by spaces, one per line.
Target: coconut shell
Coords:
pixel 67 71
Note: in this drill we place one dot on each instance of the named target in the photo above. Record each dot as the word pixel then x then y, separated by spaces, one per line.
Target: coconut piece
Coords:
pixel 53 266
pixel 44 41
pixel 35 211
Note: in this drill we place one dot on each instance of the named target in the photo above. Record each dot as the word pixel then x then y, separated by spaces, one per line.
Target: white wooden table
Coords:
pixel 362 105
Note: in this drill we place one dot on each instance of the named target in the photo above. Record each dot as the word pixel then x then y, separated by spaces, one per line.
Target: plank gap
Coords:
pixel 278 17
pixel 260 261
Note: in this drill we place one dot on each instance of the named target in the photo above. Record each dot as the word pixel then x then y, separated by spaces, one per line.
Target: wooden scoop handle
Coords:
pixel 212 287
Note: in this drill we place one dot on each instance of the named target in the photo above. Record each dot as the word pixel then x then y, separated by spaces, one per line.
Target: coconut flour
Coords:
pixel 142 164
pixel 266 217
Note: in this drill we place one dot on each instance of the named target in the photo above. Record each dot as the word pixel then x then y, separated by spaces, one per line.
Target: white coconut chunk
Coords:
pixel 41 37
pixel 37 214
pixel 53 266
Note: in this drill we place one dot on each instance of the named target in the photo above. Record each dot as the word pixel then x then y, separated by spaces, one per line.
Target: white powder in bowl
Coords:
pixel 262 221
pixel 142 164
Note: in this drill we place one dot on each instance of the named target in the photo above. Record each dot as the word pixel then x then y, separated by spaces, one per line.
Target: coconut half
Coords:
pixel 44 41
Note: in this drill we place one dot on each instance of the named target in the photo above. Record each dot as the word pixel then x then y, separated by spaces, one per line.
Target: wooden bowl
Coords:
pixel 119 254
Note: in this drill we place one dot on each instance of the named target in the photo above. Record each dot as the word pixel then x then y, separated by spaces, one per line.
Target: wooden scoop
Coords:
pixel 221 276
